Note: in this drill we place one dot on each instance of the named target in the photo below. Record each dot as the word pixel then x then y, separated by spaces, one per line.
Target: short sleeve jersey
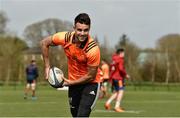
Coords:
pixel 79 59
pixel 117 68
pixel 31 72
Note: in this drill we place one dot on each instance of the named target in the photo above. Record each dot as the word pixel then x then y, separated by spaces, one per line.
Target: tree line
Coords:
pixel 159 64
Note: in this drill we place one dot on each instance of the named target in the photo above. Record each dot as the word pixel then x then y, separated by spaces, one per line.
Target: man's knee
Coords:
pixel 33 86
pixel 84 112
pixel 27 86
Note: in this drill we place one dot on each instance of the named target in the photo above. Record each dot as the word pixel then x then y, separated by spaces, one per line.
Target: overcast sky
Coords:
pixel 144 21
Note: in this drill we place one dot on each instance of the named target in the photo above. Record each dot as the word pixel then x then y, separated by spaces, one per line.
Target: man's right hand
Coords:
pixel 127 76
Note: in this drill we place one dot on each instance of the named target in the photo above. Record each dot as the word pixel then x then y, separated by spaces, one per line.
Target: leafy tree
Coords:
pixel 11 56
pixel 123 41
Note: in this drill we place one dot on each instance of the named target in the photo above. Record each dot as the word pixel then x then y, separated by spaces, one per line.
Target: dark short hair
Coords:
pixel 119 50
pixel 33 60
pixel 82 18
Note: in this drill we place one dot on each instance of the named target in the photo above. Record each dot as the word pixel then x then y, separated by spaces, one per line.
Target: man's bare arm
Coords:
pixel 45 43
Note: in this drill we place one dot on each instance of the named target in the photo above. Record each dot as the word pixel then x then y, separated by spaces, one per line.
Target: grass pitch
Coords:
pixel 54 103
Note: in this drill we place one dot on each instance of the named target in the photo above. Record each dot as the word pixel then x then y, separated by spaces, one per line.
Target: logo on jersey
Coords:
pixel 92 93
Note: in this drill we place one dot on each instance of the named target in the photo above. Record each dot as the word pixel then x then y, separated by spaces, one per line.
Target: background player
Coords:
pixel 118 73
pixel 105 78
pixel 31 78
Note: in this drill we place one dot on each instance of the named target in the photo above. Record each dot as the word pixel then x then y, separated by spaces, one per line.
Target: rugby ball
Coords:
pixel 56 77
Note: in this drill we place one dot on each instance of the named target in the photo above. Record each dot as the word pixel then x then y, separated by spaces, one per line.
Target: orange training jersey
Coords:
pixel 78 58
pixel 105 71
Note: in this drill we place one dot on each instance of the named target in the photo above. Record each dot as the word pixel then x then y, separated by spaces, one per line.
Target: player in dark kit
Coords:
pixel 31 76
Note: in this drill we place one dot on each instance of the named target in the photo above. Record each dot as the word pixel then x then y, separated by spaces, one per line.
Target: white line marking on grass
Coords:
pixel 28 102
pixel 147 101
pixel 127 111
pixel 100 110
pixel 132 111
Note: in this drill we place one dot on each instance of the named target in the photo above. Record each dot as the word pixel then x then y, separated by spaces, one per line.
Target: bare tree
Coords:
pixel 168 67
pixel 169 46
pixel 3 22
pixel 37 31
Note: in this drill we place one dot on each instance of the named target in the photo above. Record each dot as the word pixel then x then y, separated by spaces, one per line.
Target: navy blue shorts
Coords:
pixel 118 84
pixel 30 81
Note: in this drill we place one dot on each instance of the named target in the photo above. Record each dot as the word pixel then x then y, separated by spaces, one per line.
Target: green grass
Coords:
pixel 53 103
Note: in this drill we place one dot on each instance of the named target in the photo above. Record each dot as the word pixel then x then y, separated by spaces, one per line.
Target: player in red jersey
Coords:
pixel 117 74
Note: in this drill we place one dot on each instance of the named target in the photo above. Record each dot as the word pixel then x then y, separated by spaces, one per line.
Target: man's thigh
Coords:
pixel 89 97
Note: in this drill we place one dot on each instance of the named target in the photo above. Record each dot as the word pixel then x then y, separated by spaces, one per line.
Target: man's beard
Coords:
pixel 81 39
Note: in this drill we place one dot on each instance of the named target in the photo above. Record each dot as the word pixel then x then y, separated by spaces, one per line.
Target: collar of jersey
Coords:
pixel 71 41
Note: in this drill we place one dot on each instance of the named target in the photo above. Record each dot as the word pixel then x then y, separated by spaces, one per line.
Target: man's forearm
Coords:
pixel 83 80
pixel 86 78
pixel 45 53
